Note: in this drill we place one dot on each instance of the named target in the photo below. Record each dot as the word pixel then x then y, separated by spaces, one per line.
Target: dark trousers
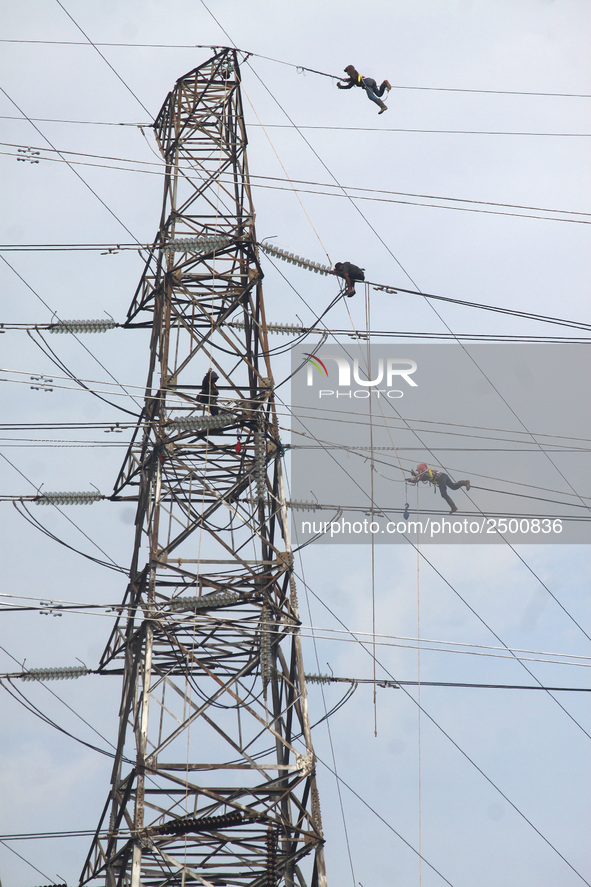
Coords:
pixel 443 482
pixel 210 401
pixel 371 86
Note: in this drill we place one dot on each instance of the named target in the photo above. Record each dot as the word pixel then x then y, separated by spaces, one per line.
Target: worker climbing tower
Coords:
pixel 213 781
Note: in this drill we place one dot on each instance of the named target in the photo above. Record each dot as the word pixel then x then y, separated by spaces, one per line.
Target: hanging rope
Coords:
pixel 287 176
pixel 371 485
pixel 419 692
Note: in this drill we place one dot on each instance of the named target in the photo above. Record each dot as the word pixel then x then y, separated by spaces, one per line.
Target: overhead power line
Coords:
pixel 297 67
pixel 321 72
pixel 66 833
pixel 394 684
pixel 387 288
pixel 404 129
pixel 282 183
pixel 327 128
pixel 75 122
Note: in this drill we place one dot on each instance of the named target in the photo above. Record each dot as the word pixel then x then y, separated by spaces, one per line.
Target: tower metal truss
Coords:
pixel 214 776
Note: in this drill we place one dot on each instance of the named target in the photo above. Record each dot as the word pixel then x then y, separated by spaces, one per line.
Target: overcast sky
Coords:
pixel 484 153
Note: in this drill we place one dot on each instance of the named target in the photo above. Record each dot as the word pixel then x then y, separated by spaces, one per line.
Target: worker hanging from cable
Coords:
pixel 350 273
pixel 210 392
pixel 374 93
pixel 424 474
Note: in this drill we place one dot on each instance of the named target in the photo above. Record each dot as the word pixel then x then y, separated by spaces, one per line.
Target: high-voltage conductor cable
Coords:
pixel 311 265
pixel 448 736
pixel 372 505
pixel 106 61
pixel 298 550
pixel 46 349
pixel 557 442
pixel 89 385
pixel 115 216
pixel 72 375
pixel 37 712
pixel 571 216
pixel 115 565
pixel 74 122
pixel 468 132
pixel 393 289
pixel 289 410
pixel 410 278
pixel 66 833
pixel 76 173
pixel 298 68
pixel 465 602
pixel 422 555
pixel 24 859
pixel 385 462
pixel 340 781
pixel 295 191
pixel 506 540
pixel 15 693
pixel 257 182
pixel 330 634
pixel 63 702
pixel 359 451
pixel 271 142
pixel 380 129
pixel 298 330
pixel 534 441
pixel 22 509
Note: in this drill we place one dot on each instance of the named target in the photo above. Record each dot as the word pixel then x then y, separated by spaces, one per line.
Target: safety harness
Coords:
pixel 428 475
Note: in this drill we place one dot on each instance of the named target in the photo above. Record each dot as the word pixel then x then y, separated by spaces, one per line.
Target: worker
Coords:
pixel 209 393
pixel 370 86
pixel 424 474
pixel 350 273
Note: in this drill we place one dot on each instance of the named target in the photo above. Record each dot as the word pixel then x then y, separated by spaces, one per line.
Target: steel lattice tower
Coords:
pixel 214 776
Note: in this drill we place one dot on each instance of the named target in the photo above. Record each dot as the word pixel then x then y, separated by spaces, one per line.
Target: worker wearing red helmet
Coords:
pixel 424 474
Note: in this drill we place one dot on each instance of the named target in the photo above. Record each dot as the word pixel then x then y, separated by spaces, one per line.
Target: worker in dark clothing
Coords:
pixel 209 393
pixel 370 86
pixel 424 474
pixel 350 273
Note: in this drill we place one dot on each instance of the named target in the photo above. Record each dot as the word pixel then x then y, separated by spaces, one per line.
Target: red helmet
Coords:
pixel 422 467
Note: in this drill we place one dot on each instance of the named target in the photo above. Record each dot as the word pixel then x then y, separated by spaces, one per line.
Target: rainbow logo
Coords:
pixel 315 361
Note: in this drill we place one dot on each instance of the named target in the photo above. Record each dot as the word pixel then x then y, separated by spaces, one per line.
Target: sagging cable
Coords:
pixel 330 679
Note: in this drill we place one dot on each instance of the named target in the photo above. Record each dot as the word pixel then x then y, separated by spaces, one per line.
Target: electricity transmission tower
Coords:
pixel 214 775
